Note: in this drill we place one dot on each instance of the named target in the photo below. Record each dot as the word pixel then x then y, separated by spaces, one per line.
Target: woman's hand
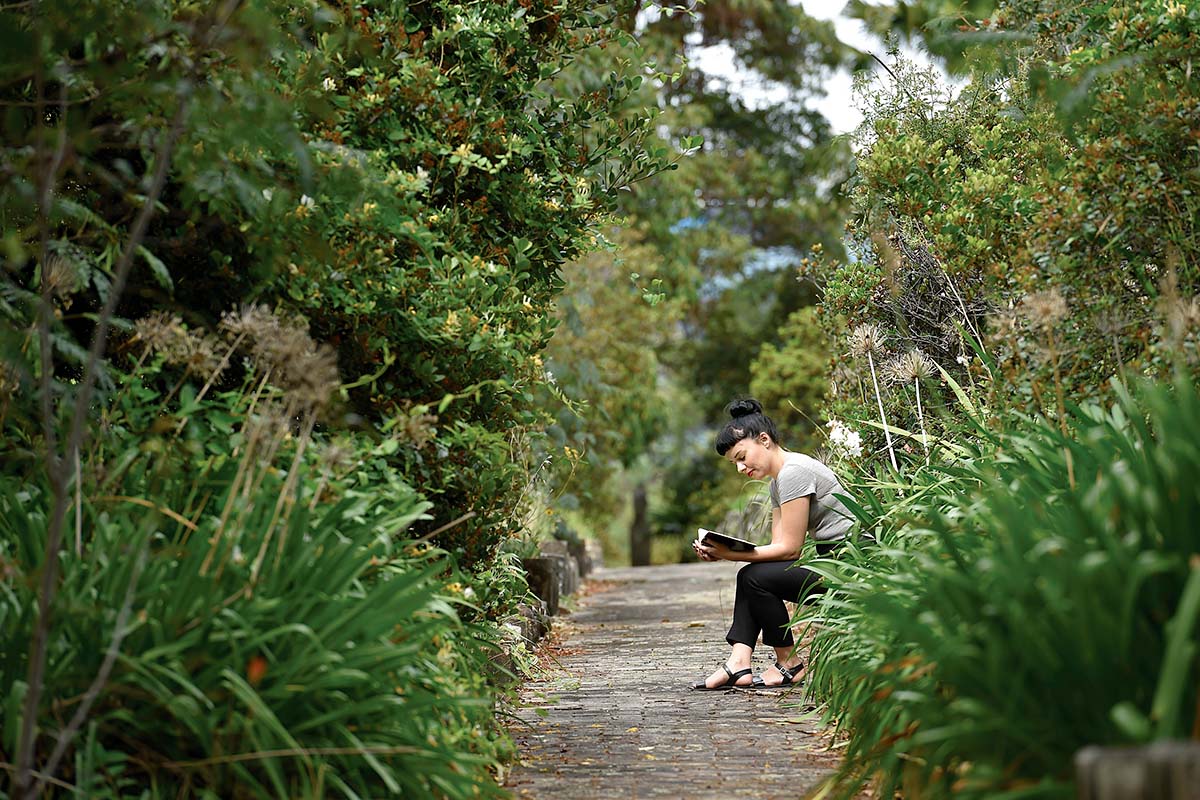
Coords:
pixel 712 552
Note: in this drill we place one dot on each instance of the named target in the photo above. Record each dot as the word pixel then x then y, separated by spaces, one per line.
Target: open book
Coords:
pixel 704 535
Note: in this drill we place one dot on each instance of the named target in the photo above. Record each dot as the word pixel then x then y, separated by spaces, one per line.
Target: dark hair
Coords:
pixel 748 420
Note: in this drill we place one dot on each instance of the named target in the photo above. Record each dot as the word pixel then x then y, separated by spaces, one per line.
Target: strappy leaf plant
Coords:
pixel 1008 619
pixel 237 619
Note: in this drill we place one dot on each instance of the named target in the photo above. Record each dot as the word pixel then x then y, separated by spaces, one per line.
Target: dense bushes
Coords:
pixel 398 185
pixel 1033 231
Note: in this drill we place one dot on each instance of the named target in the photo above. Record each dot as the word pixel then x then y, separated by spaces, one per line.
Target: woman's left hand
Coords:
pixel 712 552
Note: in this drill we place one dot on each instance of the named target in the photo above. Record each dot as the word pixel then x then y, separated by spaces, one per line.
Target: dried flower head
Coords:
pixel 866 339
pixel 1181 316
pixel 1110 323
pixel 417 426
pixel 165 334
pixel 161 333
pixel 1043 310
pixel 9 380
pixel 59 276
pixel 199 357
pixel 912 366
pixel 251 322
pixel 298 365
pixel 311 376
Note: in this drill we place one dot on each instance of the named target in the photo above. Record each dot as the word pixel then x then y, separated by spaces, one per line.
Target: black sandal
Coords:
pixel 730 683
pixel 789 677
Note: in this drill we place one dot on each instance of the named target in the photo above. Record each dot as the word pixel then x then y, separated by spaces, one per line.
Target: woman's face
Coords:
pixel 751 456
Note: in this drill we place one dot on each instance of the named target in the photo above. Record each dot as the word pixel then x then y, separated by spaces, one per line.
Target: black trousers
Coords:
pixel 762 588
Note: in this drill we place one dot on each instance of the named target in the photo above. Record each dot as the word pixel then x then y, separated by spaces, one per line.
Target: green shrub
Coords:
pixel 1063 171
pixel 1008 618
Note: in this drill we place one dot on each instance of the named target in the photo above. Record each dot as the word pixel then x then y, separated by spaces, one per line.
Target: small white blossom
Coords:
pixel 307 201
pixel 843 441
pixel 329 84
pixel 962 359
pixel 267 194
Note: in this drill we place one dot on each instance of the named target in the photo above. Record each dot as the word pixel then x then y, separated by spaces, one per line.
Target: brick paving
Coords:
pixel 615 716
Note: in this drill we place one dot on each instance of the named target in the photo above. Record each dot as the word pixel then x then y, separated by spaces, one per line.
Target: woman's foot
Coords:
pixel 772 676
pixel 728 675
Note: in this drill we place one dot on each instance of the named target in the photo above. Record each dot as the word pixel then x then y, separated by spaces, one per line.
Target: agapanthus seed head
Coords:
pixel 1181 316
pixel 161 333
pixel 866 339
pixel 417 426
pixel 59 276
pixel 9 380
pixel 912 366
pixel 1043 310
pixel 199 357
pixel 252 322
pixel 297 364
pixel 311 377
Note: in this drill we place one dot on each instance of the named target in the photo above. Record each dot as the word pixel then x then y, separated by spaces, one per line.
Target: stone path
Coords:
pixel 615 716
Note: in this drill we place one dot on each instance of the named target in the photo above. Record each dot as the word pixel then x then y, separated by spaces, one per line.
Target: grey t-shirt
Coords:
pixel 802 476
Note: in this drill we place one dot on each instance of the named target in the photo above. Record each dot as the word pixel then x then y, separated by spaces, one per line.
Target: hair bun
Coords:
pixel 744 408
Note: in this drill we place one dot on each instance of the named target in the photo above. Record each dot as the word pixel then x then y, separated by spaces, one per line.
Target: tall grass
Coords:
pixel 235 620
pixel 1009 618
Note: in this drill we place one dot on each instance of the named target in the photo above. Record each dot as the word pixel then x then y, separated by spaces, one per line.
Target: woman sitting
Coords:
pixel 803 502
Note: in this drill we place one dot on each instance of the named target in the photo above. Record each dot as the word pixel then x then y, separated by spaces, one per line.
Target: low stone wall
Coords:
pixel 555 573
pixel 1166 770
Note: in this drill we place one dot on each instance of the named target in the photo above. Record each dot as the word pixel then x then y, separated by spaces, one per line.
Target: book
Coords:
pixel 732 542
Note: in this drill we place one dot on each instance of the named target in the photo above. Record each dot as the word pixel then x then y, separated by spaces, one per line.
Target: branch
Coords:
pixel 48 588
pixel 110 658
pixel 54 469
pixel 917 102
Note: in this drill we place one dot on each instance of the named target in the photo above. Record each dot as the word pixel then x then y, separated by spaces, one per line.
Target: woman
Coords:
pixel 802 493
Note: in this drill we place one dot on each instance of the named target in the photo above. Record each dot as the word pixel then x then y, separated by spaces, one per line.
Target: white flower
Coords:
pixel 329 84
pixel 267 194
pixel 843 441
pixel 307 201
pixel 550 377
pixel 962 359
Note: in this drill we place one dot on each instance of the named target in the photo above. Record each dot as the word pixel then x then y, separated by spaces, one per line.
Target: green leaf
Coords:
pixel 963 399
pixel 1130 721
pixel 158 268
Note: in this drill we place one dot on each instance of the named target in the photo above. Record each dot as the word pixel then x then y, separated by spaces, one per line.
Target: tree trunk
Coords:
pixel 639 530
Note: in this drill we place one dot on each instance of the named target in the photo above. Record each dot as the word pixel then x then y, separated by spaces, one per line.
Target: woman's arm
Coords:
pixel 789 526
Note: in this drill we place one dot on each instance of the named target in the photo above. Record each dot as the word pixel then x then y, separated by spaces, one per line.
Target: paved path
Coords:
pixel 615 717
